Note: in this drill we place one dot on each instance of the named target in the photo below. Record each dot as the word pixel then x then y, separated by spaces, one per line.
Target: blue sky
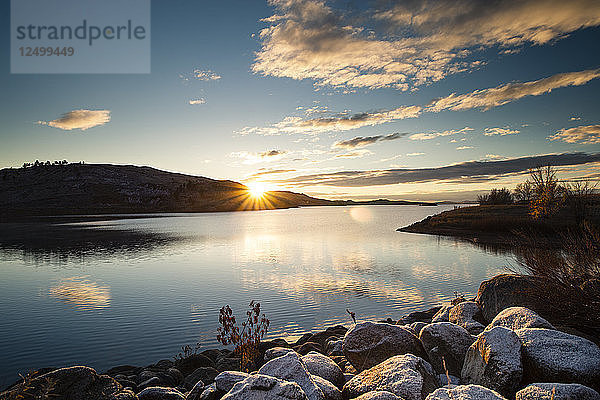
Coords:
pixel 282 88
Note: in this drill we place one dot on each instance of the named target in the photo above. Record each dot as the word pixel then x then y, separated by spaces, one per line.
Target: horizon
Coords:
pixel 333 100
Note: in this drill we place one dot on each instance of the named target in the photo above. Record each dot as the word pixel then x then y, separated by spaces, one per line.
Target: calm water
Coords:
pixel 134 290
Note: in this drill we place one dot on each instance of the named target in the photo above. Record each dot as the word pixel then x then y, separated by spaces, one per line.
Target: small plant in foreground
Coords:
pixel 248 339
pixel 187 351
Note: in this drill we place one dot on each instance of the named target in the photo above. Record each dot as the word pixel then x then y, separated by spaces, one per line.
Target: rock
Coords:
pixel 417 326
pixel 303 339
pixel 152 382
pixel 368 344
pixel 407 376
pixel 229 364
pixel 291 368
pixel 308 347
pixel 276 352
pixel 494 361
pixel 164 364
pixel 518 318
pixel 123 370
pixel 419 316
pixel 330 391
pixel 176 375
pixel 196 391
pixel 73 383
pixel 160 393
pixel 449 380
pixel 214 354
pixel 225 380
pixel 443 314
pixel 205 374
pixel 348 376
pixel 190 364
pixel 447 341
pixel 261 387
pixel 557 391
pixel 554 356
pixel 464 314
pixel 334 347
pixel 323 366
pixel 507 290
pixel 378 395
pixel 466 392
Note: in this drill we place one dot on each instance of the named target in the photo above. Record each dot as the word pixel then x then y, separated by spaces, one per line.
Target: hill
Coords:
pixel 74 189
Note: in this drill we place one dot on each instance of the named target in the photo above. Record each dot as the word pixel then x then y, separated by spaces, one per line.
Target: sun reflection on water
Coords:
pixel 81 293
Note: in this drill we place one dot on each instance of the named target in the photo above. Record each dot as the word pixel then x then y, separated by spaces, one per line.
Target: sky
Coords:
pixel 416 100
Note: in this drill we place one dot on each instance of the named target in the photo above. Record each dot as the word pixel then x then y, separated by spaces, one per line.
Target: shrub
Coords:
pixel 548 194
pixel 248 339
pixel 496 197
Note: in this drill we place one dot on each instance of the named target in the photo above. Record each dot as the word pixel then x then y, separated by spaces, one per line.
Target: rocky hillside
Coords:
pixel 104 188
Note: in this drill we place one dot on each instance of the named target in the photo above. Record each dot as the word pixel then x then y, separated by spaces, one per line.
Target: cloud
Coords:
pixel 469 170
pixel 264 172
pixel 361 141
pixel 575 118
pixel 206 75
pixel 464 147
pixel 498 96
pixel 79 119
pixel 433 135
pixel 198 101
pixel 354 154
pixel 298 125
pixel 500 131
pixel 408 43
pixel 415 154
pixel 264 156
pixel 585 134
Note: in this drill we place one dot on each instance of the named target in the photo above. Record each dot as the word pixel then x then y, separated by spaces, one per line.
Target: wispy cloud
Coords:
pixel 504 94
pixel 480 171
pixel 409 43
pixel 465 147
pixel 361 141
pixel 354 154
pixel 264 156
pixel 585 134
pixel 263 172
pixel 206 75
pixel 79 119
pixel 500 131
pixel 433 135
pixel 197 101
pixel 298 125
pixel 415 154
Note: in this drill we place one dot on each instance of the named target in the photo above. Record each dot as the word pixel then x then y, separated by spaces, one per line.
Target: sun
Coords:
pixel 257 190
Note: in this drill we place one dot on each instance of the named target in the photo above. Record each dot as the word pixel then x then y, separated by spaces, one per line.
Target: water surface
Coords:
pixel 132 291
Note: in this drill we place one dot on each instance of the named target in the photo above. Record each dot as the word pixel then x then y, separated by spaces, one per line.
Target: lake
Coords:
pixel 133 291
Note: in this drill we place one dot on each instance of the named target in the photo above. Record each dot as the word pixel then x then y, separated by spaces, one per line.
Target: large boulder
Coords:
pixel 323 366
pixel 464 314
pixel 494 361
pixel 518 318
pixel 466 392
pixel 378 395
pixel 557 391
pixel 443 314
pixel 160 393
pixel 291 368
pixel 330 391
pixel 407 376
pixel 189 364
pixel 367 344
pixel 445 341
pixel 196 391
pixel 554 356
pixel 262 387
pixel 276 352
pixel 73 383
pixel 225 380
pixel 508 290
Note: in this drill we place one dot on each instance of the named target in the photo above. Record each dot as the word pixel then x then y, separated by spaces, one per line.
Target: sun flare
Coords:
pixel 257 190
